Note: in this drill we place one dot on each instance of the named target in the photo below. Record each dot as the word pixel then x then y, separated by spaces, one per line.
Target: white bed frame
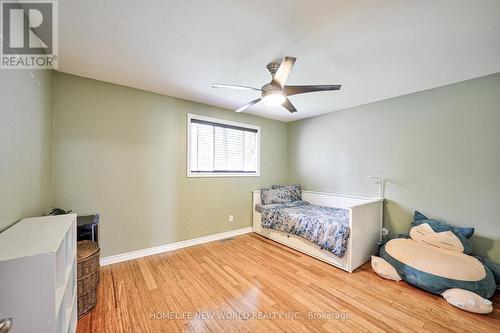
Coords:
pixel 365 223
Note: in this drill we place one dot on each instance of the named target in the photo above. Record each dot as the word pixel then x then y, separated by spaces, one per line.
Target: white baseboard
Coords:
pixel 172 246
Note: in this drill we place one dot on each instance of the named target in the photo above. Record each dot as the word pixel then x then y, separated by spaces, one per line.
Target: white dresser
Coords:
pixel 38 275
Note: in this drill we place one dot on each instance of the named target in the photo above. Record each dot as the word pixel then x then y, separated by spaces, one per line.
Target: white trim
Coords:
pixel 190 174
pixel 172 246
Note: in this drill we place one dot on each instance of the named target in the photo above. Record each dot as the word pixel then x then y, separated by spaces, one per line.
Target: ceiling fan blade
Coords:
pixel 232 86
pixel 246 106
pixel 284 70
pixel 289 106
pixel 294 90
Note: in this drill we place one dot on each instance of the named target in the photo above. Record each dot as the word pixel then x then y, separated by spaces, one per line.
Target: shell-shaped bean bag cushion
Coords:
pixel 435 257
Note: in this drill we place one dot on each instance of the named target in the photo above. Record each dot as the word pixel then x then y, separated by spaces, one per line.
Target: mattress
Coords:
pixel 327 227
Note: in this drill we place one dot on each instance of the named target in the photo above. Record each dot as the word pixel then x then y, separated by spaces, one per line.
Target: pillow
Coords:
pixel 439 226
pixel 444 239
pixel 293 190
pixel 463 234
pixel 274 196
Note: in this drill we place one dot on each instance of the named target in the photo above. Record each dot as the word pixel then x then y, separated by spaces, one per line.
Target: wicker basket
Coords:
pixel 88 275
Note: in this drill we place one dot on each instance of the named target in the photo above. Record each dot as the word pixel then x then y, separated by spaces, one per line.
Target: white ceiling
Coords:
pixel 375 49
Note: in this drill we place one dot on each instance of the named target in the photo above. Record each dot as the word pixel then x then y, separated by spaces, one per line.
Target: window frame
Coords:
pixel 221 174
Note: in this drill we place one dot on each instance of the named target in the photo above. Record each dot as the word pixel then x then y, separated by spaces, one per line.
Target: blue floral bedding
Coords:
pixel 325 226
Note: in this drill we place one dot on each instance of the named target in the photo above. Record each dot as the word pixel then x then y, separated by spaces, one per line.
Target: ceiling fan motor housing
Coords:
pixel 271 88
pixel 272 94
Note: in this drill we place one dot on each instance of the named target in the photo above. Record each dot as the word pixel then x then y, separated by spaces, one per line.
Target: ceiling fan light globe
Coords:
pixel 272 99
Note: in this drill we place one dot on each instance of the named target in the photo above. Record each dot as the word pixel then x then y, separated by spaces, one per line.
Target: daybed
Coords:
pixel 363 219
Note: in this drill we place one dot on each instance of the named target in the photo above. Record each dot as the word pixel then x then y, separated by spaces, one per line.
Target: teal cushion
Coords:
pixel 437 284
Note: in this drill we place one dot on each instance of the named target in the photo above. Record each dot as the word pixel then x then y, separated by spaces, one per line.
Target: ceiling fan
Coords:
pixel 275 92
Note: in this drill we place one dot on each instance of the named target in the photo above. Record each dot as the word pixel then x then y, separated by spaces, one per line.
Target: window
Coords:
pixel 219 148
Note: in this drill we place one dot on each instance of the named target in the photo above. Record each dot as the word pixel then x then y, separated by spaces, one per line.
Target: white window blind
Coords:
pixel 222 148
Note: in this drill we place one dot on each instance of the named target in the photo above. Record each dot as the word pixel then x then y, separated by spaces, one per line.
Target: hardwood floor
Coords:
pixel 251 284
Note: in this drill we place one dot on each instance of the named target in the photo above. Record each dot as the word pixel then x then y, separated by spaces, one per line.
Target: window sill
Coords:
pixel 219 175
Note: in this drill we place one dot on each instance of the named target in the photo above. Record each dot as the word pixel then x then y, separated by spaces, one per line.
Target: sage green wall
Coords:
pixel 121 152
pixel 25 144
pixel 438 149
